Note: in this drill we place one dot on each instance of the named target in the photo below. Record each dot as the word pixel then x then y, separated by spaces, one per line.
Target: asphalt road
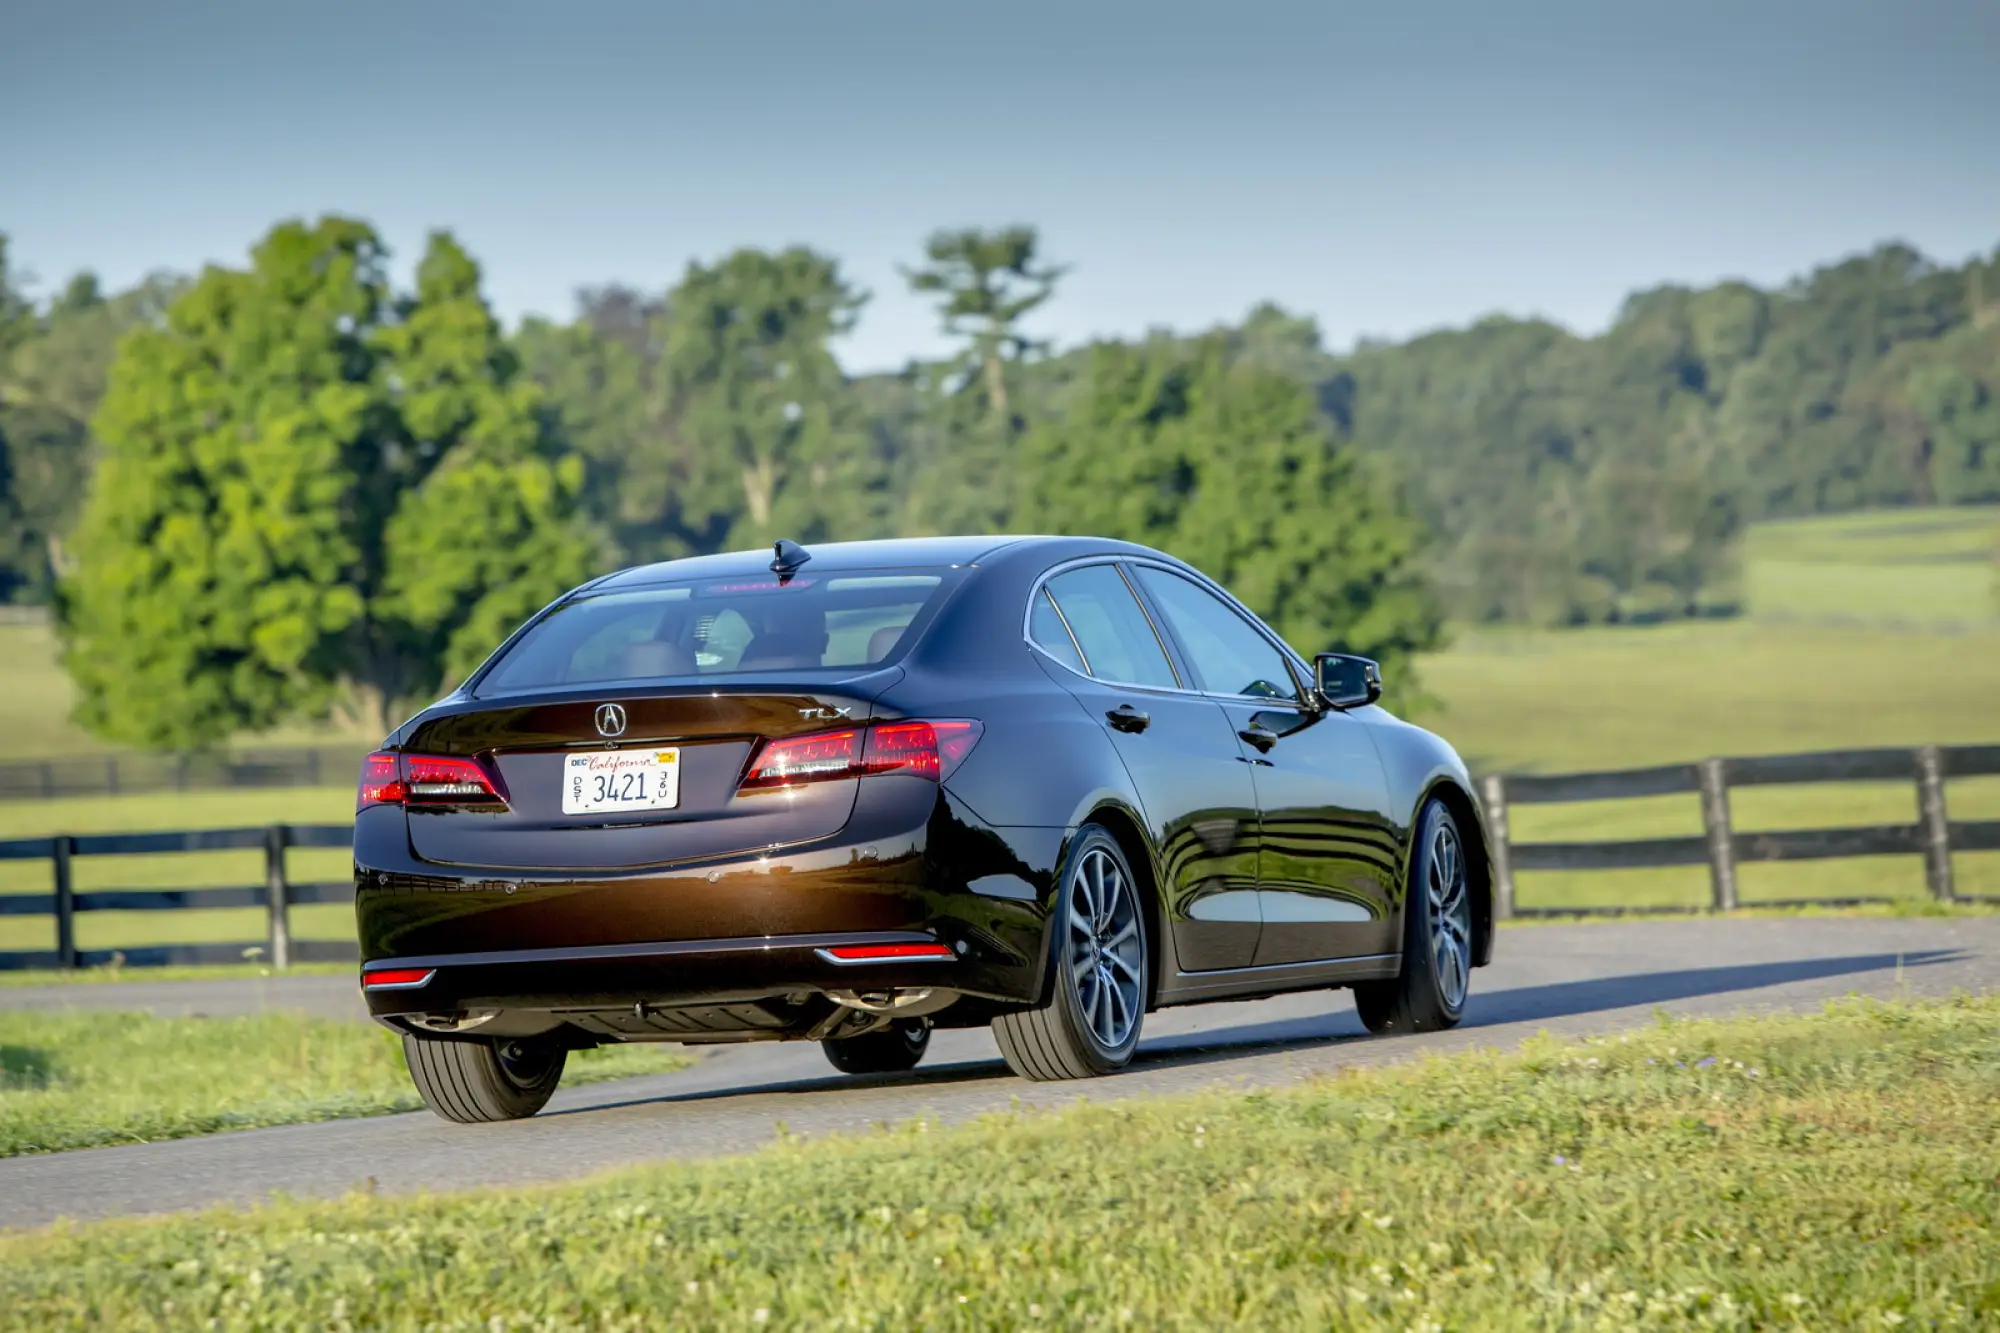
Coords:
pixel 1563 979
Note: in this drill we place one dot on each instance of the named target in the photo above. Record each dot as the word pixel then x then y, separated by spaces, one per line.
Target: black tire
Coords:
pixel 1087 1026
pixel 889 1050
pixel 477 1082
pixel 1430 994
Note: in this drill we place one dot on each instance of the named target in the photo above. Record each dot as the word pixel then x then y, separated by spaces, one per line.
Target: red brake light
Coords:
pixel 381 781
pixel 794 759
pixel 397 978
pixel 388 778
pixel 886 953
pixel 927 749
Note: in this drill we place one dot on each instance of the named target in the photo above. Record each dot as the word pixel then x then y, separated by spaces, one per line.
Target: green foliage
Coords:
pixel 485 538
pixel 53 362
pixel 757 399
pixel 78 1079
pixel 1832 1170
pixel 267 532
pixel 1229 465
pixel 963 466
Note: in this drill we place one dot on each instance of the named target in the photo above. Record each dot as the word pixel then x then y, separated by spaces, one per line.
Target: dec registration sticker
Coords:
pixel 620 780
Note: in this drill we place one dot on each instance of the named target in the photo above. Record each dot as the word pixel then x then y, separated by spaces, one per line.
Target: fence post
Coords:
pixel 1493 788
pixel 1934 825
pixel 111 774
pixel 1721 841
pixel 278 894
pixel 61 849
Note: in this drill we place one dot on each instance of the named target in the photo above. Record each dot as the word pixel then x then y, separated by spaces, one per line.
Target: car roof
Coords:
pixel 830 557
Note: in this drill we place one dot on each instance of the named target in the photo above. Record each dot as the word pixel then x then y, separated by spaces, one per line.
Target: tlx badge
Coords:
pixel 823 714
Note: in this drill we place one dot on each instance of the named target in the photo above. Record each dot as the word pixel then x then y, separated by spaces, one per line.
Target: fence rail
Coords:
pixel 277 895
pixel 131 772
pixel 1934 836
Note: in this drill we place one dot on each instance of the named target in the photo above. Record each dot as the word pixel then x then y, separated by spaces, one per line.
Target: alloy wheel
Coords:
pixel 1106 953
pixel 1450 912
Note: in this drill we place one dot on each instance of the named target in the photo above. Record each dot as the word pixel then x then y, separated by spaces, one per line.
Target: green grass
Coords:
pixel 176 810
pixel 1539 701
pixel 1564 701
pixel 80 1080
pixel 1824 1171
pixel 101 976
pixel 36 698
pixel 1907 566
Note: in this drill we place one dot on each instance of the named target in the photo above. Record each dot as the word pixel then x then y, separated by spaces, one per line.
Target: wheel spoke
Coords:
pixel 1122 964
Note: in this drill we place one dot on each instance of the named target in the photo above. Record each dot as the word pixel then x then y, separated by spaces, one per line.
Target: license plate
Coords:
pixel 614 781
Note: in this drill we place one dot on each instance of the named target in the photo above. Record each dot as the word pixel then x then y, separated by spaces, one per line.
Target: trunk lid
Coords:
pixel 716 729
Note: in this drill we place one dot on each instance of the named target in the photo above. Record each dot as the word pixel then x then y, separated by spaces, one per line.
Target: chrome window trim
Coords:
pixel 1256 625
pixel 1080 562
pixel 1291 658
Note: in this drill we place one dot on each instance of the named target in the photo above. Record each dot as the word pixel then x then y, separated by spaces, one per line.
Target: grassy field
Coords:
pixel 80 1080
pixel 1900 567
pixel 35 699
pixel 1621 698
pixel 1824 1171
pixel 170 810
pixel 1514 701
pixel 1534 701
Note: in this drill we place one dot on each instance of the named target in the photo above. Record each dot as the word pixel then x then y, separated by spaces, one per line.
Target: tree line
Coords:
pixel 290 488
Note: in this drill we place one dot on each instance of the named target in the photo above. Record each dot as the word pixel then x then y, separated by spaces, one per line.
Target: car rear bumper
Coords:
pixel 596 950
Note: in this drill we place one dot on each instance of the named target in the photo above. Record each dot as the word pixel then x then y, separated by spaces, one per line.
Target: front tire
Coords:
pixel 481 1081
pixel 1089 1025
pixel 890 1050
pixel 1430 994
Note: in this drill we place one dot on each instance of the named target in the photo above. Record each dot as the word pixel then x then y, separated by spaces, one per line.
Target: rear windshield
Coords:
pixel 681 631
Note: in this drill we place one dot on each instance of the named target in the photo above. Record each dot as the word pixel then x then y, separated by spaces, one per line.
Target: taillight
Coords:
pixel 388 778
pixel 886 953
pixel 381 781
pixel 927 749
pixel 396 978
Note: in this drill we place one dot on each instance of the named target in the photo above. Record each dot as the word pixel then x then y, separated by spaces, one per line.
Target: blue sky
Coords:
pixel 1387 168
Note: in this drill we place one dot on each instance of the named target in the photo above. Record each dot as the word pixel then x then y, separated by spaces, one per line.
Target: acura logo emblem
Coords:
pixel 610 720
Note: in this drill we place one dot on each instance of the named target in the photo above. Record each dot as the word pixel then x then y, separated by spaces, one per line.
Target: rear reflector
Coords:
pixel 388 778
pixel 396 978
pixel 929 749
pixel 886 953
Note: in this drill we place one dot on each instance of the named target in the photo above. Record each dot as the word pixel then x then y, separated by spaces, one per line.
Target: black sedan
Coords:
pixel 852 793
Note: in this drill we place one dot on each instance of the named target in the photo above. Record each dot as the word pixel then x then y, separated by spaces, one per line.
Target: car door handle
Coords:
pixel 1261 737
pixel 1127 718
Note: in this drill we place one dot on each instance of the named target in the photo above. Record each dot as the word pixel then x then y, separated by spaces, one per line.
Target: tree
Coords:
pixel 964 473
pixel 279 521
pixel 481 530
pixel 989 281
pixel 758 403
pixel 1181 446
pixel 53 361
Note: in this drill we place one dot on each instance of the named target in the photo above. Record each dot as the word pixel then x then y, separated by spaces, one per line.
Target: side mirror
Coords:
pixel 1345 681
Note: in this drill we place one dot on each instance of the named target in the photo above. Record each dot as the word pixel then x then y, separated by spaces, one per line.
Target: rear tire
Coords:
pixel 481 1081
pixel 1430 994
pixel 1089 1024
pixel 889 1050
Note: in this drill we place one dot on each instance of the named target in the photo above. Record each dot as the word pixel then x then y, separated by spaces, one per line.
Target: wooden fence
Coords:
pixel 1720 847
pixel 123 774
pixel 1933 836
pixel 277 895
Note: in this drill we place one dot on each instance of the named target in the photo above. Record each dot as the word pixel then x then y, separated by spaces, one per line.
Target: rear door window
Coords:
pixel 682 631
pixel 1117 641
